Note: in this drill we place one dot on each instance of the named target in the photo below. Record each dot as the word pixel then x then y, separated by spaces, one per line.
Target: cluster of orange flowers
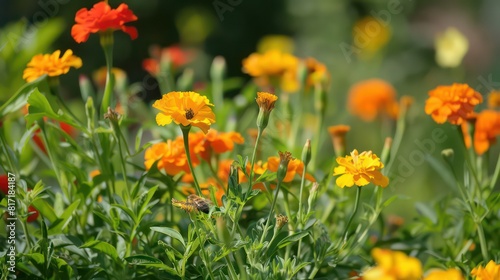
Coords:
pixel 278 70
pixel 455 104
pixel 398 266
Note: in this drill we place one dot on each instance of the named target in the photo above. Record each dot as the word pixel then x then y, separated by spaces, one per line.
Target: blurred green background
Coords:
pixel 322 29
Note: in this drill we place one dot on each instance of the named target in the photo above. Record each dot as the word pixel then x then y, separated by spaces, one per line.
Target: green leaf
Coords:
pixel 20 98
pixel 427 212
pixel 60 224
pixel 170 232
pixel 143 202
pixel 129 212
pixel 292 238
pixel 142 259
pixel 102 247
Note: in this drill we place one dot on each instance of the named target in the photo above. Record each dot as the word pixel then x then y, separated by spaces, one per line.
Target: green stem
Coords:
pixel 7 154
pixel 496 174
pixel 26 234
pixel 185 136
pixel 482 241
pixel 356 206
pixel 273 204
pixel 107 45
pixel 230 268
pixel 252 163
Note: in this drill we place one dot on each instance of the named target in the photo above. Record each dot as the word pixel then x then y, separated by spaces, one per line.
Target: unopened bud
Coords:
pixel 306 152
pixel 285 158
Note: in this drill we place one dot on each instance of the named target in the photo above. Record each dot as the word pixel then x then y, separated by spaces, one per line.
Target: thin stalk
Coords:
pixel 252 163
pixel 107 46
pixel 185 136
pixel 273 204
pixel 482 240
pixel 356 206
pixel 496 174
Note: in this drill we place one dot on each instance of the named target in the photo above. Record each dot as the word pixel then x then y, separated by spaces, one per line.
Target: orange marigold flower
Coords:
pixel 170 156
pixel 360 170
pixel 337 134
pixel 370 98
pixel 393 265
pixel 486 130
pixel 439 274
pixel 452 103
pixel 266 101
pixel 51 64
pixel 185 108
pixel 489 272
pixel 494 99
pixel 295 166
pixel 273 68
pixel 221 142
pixel 102 18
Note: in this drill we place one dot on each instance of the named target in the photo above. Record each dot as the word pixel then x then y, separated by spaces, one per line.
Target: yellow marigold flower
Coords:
pixel 185 108
pixel 451 47
pixel 370 35
pixel 490 272
pixel 439 274
pixel 360 170
pixel 453 103
pixel 51 64
pixel 273 68
pixel 393 265
pixel 494 99
pixel 370 98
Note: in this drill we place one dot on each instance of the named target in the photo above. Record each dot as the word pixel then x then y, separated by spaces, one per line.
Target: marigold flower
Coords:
pixel 185 108
pixel 174 54
pixel 370 98
pixel 486 130
pixel 451 47
pixel 494 99
pixel 51 64
pixel 205 190
pixel 95 172
pixel 370 35
pixel 273 68
pixel 490 272
pixel 266 105
pixel 295 166
pixel 316 71
pixel 170 156
pixel 101 18
pixel 221 142
pixel 393 265
pixel 337 134
pixel 360 170
pixel 452 103
pixel 439 274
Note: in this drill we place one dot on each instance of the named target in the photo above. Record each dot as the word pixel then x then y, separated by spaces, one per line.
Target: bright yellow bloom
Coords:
pixel 185 108
pixel 490 272
pixel 273 68
pixel 51 65
pixel 450 274
pixel 451 47
pixel 360 170
pixel 393 265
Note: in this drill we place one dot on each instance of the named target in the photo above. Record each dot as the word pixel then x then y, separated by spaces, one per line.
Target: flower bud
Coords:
pixel 285 158
pixel 266 105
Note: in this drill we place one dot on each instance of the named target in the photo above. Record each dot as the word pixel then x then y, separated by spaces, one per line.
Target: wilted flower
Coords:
pixel 451 47
pixel 281 220
pixel 439 274
pixel 185 108
pixel 101 18
pixel 393 265
pixel 371 98
pixel 489 272
pixel 51 64
pixel 360 170
pixel 453 103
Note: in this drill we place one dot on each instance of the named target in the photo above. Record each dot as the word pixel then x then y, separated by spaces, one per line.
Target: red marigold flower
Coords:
pixel 33 214
pixel 101 18
pixel 453 103
pixel 4 184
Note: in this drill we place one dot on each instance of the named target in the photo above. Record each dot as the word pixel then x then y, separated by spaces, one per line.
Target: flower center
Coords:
pixel 189 114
